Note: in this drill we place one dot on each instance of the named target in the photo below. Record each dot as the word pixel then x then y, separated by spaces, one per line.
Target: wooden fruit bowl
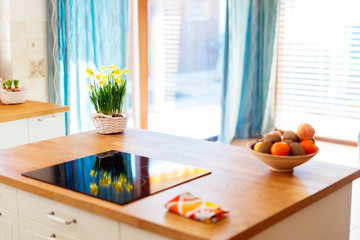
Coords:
pixel 281 163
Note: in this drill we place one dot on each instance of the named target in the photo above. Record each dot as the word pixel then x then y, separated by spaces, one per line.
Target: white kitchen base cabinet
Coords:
pixel 8 199
pixel 46 127
pixel 76 223
pixel 8 225
pixel 30 230
pixel 30 130
pixel 129 232
pixel 14 133
pixel 27 216
pixel 8 213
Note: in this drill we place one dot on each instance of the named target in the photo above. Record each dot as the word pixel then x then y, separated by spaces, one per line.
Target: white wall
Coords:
pixel 23 45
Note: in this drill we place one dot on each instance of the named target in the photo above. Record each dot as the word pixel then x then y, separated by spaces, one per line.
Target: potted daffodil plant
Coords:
pixel 107 92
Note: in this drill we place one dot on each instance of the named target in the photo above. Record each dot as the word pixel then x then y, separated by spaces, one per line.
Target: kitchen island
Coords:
pixel 313 202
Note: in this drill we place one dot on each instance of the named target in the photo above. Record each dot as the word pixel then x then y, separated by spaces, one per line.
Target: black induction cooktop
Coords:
pixel 115 176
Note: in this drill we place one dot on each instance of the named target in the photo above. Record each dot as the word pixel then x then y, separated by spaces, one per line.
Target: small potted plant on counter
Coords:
pixel 16 86
pixel 107 92
pixel 10 95
pixel 9 85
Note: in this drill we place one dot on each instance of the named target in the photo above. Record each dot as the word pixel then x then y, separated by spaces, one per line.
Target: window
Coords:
pixel 185 39
pixel 318 75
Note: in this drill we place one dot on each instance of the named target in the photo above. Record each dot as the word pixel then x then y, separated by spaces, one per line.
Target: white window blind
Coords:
pixel 318 71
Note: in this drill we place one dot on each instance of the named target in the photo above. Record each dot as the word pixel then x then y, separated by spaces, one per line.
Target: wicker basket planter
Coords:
pixel 12 97
pixel 106 124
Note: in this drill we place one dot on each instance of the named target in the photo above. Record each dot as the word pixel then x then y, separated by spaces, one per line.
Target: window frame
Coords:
pixel 320 138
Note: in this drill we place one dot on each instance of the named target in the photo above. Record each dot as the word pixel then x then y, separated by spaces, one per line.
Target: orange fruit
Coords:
pixel 280 148
pixel 257 145
pixel 309 146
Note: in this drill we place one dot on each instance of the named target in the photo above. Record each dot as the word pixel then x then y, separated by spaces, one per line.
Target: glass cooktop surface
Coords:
pixel 115 176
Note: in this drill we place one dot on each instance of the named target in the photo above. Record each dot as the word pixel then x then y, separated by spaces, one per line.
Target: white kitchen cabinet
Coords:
pixel 63 218
pixel 14 133
pixel 30 130
pixel 8 213
pixel 8 225
pixel 46 127
pixel 8 199
pixel 26 216
pixel 129 232
pixel 30 230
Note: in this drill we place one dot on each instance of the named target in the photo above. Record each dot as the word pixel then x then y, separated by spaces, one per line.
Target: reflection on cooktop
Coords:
pixel 117 176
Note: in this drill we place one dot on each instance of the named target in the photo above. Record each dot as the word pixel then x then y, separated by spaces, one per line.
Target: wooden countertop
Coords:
pixel 28 109
pixel 256 197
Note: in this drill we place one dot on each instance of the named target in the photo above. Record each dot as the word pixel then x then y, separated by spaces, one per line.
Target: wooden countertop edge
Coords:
pixel 34 114
pixel 106 209
pixel 252 231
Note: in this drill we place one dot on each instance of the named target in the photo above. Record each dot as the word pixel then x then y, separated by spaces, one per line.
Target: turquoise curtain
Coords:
pixel 249 68
pixel 83 34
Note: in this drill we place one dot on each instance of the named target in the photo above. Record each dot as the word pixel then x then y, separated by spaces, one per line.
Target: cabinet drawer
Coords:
pixel 129 232
pixel 46 127
pixel 13 133
pixel 87 226
pixel 8 198
pixel 36 231
pixel 8 225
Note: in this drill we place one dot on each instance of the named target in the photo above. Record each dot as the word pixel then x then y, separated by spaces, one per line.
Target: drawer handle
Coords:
pixel 47 119
pixel 52 216
pixel 52 237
